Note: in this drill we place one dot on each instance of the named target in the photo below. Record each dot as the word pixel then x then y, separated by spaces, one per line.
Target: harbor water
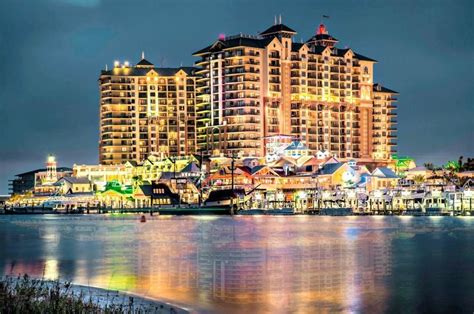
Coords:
pixel 255 264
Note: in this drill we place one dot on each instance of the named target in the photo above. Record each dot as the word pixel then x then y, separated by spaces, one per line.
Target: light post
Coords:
pixel 316 190
pixel 201 177
pixel 232 184
pixel 173 161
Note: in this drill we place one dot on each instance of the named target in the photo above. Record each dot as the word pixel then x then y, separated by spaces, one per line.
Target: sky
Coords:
pixel 52 51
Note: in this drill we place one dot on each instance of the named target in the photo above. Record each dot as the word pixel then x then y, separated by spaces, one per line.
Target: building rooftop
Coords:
pixel 379 88
pixel 58 169
pixel 262 41
pixel 330 168
pixel 364 58
pixel 139 71
pixel 75 180
pixel 318 37
pixel 235 41
pixel 278 28
pixel 296 145
pixel 144 62
pixel 385 173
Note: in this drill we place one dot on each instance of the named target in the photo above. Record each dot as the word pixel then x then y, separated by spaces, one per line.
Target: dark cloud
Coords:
pixel 52 51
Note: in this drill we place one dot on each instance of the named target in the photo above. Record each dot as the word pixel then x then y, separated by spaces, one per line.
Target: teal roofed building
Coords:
pixel 296 149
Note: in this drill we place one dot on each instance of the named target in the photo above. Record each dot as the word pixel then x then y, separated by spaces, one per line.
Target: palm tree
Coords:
pixel 418 179
pixel 429 165
pixel 460 163
pixel 453 166
pixel 137 181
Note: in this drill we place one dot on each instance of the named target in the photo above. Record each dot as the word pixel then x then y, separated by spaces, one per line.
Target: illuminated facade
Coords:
pixel 146 111
pixel 252 88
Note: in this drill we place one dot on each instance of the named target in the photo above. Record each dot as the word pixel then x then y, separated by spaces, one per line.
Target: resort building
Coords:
pixel 33 181
pixel 253 89
pixel 145 110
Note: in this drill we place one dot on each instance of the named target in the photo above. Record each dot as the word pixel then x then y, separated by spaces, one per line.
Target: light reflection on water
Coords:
pixel 267 264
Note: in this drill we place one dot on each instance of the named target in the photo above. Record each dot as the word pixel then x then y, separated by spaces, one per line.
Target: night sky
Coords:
pixel 52 51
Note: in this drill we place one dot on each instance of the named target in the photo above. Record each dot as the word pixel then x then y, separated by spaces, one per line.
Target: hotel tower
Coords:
pixel 146 110
pixel 252 89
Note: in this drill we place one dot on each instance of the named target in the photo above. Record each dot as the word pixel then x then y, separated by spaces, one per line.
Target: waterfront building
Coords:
pixel 99 175
pixel 73 185
pixel 39 180
pixel 146 110
pixel 381 178
pixel 254 88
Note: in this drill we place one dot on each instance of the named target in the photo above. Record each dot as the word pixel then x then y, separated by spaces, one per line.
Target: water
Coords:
pixel 256 264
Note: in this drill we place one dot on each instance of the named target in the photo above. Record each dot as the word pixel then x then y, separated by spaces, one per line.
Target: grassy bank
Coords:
pixel 27 295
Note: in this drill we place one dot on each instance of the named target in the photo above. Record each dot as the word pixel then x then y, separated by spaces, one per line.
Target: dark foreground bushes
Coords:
pixel 27 295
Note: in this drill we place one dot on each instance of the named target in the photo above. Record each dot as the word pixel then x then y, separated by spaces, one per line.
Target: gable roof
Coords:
pixel 309 161
pixel 282 160
pixel 277 29
pixel 235 41
pixel 384 172
pixel 379 88
pixel 257 169
pixel 363 58
pixel 132 163
pixel 138 71
pixel 75 180
pixel 330 168
pixel 321 37
pixel 145 62
pixel 295 47
pixel 191 167
pixel 296 145
pixel 331 160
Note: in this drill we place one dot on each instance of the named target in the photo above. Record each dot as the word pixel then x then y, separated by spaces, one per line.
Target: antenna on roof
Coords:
pixel 106 67
pixel 143 55
pixel 181 64
pixel 275 23
pixel 280 18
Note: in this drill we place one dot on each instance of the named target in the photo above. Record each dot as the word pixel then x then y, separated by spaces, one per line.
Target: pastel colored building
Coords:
pixel 255 87
pixel 146 110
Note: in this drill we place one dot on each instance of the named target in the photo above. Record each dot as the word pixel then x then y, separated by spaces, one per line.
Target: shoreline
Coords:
pixel 324 212
pixel 103 297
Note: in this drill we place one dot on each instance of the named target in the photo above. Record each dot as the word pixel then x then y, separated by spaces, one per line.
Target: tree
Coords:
pixel 429 165
pixel 418 179
pixel 460 163
pixel 452 166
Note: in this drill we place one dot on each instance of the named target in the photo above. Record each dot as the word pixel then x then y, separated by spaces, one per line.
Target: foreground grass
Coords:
pixel 27 295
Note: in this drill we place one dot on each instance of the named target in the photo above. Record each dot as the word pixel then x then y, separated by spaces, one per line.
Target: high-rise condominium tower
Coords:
pixel 146 110
pixel 254 88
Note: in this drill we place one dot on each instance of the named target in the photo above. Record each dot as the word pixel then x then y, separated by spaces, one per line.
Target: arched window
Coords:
pixel 366 70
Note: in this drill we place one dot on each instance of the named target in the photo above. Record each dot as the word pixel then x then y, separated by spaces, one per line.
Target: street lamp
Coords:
pixel 316 190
